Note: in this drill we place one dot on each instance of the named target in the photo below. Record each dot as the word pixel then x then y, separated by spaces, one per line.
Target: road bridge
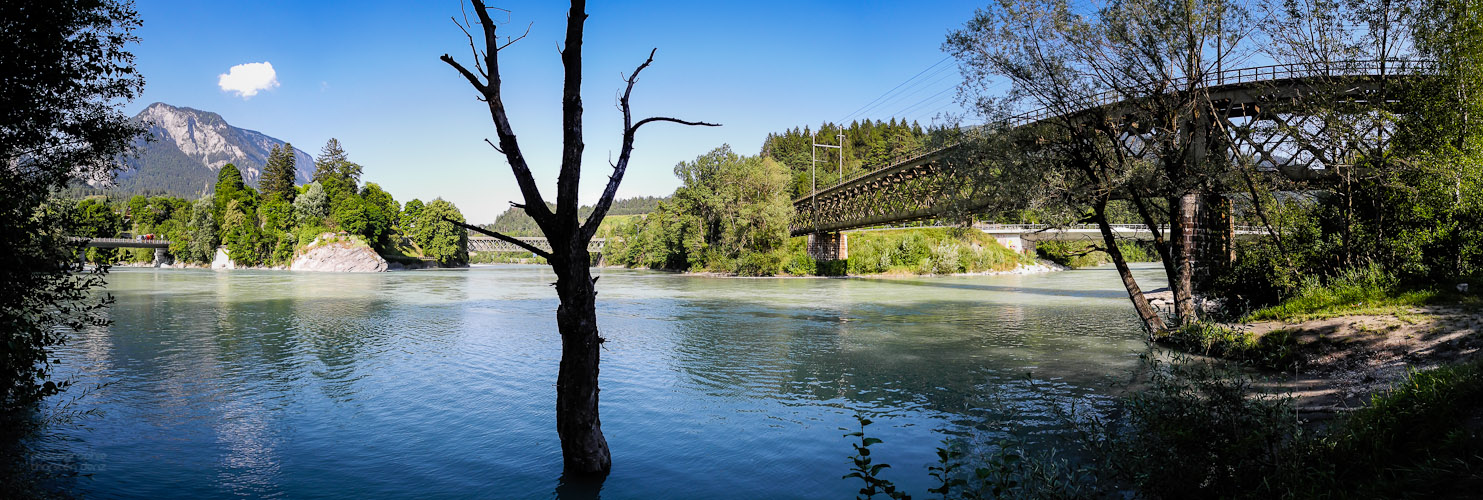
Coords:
pixel 1249 101
pixel 161 247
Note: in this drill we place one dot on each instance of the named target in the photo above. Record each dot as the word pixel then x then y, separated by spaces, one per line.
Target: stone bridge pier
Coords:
pixel 828 246
pixel 1209 235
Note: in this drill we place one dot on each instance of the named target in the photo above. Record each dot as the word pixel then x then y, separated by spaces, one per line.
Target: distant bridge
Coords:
pixel 161 247
pixel 119 242
pixel 486 244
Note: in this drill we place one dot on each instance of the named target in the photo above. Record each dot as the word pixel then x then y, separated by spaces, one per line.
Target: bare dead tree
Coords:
pixel 583 447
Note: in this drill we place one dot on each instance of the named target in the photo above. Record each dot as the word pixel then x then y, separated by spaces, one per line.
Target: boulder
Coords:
pixel 338 253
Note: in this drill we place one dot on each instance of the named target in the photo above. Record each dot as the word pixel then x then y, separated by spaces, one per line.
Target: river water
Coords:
pixel 441 384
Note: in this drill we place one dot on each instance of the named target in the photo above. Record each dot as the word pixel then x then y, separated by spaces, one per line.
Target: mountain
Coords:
pixel 191 145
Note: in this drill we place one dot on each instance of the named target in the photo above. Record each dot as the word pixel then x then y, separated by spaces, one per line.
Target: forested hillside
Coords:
pixel 868 145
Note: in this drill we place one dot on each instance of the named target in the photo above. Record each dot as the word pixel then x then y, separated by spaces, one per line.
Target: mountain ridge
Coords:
pixel 186 147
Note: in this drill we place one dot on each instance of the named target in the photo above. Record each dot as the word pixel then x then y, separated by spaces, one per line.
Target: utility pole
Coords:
pixel 840 147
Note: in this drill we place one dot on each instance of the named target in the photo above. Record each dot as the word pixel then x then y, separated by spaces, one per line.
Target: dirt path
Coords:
pixel 1349 358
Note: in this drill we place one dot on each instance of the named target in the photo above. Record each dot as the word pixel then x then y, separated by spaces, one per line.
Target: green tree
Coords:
pixel 278 238
pixel 65 72
pixel 241 235
pixel 278 174
pixel 313 206
pixel 439 238
pixel 410 214
pixel 230 187
pixel 333 162
pixel 356 215
pixel 202 231
pixel 376 196
pixel 730 214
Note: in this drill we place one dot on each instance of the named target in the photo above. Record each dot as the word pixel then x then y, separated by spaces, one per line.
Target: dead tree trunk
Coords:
pixel 584 449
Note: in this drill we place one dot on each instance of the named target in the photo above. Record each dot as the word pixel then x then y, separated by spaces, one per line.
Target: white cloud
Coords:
pixel 247 79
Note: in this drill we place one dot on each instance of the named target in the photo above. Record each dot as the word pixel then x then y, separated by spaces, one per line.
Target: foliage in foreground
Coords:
pixel 1199 430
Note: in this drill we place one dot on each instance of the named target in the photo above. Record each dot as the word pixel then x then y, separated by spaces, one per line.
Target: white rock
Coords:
pixel 222 261
pixel 340 255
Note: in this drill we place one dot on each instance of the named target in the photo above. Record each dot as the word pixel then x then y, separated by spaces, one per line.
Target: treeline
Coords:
pixel 514 222
pixel 868 145
pixel 266 227
pixel 730 215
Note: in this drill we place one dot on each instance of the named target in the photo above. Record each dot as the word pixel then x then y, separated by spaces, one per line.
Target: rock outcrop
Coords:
pixel 222 261
pixel 341 254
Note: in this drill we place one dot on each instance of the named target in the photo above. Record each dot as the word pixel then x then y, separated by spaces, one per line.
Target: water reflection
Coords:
pixel 441 384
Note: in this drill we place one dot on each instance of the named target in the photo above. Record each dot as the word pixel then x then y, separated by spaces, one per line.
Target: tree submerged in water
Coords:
pixel 584 449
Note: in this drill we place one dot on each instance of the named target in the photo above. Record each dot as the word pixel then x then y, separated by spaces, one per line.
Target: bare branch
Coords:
pixel 467 75
pixel 675 120
pixel 518 38
pixel 630 129
pixel 501 237
pixel 472 50
pixel 489 91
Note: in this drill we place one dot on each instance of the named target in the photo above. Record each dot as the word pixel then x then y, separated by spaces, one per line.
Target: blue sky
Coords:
pixel 368 73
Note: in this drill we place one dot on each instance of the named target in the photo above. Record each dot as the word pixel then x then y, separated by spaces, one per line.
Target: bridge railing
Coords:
pixel 119 242
pixel 1034 228
pixel 1254 74
pixel 1234 76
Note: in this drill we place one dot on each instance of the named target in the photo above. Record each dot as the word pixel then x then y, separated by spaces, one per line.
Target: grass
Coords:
pixel 1277 350
pixel 1422 435
pixel 1366 291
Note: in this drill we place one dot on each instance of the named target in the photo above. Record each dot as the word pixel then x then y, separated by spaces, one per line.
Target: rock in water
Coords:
pixel 332 253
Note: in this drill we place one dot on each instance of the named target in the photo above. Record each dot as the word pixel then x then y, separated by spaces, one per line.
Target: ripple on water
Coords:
pixel 441 383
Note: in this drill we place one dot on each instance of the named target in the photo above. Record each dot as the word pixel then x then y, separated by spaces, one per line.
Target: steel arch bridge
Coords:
pixel 1253 103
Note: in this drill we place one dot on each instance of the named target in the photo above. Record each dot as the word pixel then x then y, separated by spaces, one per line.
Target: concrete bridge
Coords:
pixel 486 244
pixel 1250 103
pixel 161 247
pixel 1022 237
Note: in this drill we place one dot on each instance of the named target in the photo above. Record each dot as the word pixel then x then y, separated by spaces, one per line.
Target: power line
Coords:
pixel 893 89
pixel 925 84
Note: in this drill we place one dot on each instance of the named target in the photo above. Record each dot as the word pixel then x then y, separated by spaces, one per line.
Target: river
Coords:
pixel 441 384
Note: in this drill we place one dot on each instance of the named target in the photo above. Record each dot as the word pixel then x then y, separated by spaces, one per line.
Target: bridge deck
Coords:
pixel 121 242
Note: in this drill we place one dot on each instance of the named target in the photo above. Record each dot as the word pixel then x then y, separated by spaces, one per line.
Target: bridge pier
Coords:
pixel 827 246
pixel 1209 234
pixel 1017 242
pixel 161 257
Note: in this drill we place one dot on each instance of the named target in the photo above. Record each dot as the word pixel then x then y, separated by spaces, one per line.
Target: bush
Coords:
pixel 1277 350
pixel 1351 291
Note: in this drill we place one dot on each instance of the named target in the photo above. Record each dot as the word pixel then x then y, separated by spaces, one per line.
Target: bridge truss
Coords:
pixel 482 244
pixel 1261 112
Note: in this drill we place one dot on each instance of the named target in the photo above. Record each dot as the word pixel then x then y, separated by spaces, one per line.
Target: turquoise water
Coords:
pixel 441 384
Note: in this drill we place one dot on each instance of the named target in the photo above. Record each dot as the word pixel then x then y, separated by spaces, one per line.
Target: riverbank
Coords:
pixel 1039 267
pixel 1341 362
